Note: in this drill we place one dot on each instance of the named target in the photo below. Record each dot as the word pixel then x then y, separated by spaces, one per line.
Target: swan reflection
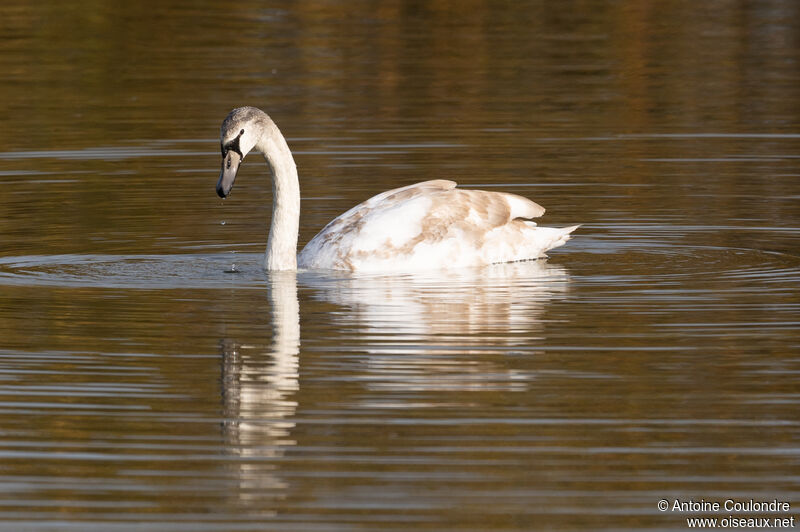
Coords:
pixel 400 341
pixel 259 383
pixel 443 330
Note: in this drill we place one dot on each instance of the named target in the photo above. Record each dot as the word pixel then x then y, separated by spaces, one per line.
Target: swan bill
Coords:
pixel 227 175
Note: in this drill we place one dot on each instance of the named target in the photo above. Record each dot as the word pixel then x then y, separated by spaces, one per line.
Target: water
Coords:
pixel 655 356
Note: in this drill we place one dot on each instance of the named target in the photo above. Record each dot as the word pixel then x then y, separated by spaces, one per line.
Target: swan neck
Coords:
pixel 282 240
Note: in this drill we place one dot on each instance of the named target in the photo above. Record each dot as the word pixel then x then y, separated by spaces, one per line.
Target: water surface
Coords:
pixel 143 385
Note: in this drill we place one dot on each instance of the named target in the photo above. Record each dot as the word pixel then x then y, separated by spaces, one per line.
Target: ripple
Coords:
pixel 646 259
pixel 624 259
pixel 134 271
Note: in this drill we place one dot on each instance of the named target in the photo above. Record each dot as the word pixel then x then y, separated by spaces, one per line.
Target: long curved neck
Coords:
pixel 282 240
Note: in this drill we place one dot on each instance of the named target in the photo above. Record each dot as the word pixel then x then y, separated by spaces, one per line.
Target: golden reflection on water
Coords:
pixel 654 356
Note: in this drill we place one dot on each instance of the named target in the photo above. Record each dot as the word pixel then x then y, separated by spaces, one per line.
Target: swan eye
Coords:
pixel 241 132
pixel 233 146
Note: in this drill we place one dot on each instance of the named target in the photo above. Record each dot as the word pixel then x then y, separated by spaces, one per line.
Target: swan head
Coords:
pixel 239 133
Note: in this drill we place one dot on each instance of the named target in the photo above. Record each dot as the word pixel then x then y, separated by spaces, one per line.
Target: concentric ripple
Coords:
pixel 616 260
pixel 134 271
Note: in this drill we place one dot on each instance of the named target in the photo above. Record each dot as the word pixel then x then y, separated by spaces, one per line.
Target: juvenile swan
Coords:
pixel 428 225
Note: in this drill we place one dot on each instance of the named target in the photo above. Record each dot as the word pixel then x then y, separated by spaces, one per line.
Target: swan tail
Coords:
pixel 558 237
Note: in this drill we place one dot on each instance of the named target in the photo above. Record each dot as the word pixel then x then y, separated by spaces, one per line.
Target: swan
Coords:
pixel 428 225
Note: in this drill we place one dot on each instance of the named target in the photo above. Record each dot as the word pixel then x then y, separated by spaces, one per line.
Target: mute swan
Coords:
pixel 428 225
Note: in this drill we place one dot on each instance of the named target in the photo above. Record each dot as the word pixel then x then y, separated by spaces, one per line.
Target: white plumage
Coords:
pixel 428 225
pixel 432 225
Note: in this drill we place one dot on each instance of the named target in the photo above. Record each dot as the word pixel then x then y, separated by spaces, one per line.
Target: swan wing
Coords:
pixel 431 224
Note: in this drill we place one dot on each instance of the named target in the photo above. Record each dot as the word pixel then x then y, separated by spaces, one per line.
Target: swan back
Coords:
pixel 431 224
